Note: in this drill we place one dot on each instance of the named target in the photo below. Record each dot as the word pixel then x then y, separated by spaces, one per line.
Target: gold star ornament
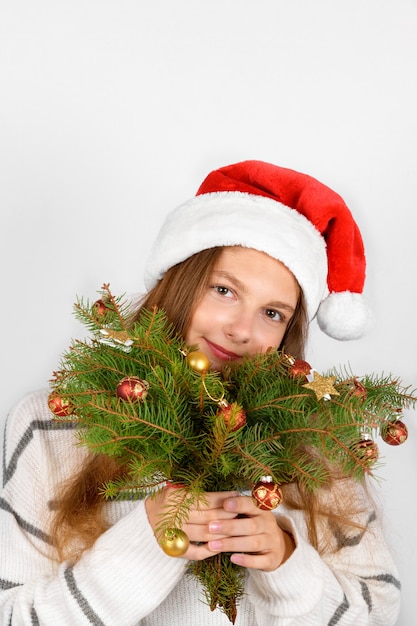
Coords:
pixel 322 386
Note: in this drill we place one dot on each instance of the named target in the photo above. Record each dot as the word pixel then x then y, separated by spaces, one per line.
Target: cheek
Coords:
pixel 197 323
pixel 207 317
pixel 271 339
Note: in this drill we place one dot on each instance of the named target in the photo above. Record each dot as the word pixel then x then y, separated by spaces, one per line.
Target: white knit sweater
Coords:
pixel 126 579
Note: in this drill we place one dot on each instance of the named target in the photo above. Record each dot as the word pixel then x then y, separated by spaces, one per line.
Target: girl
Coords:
pixel 241 268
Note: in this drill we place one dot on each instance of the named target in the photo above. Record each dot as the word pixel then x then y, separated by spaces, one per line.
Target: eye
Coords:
pixel 274 315
pixel 222 290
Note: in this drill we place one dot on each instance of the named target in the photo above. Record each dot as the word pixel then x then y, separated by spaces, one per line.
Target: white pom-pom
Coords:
pixel 344 316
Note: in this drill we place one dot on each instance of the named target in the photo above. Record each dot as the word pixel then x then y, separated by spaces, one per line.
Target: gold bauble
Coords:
pixel 174 542
pixel 198 361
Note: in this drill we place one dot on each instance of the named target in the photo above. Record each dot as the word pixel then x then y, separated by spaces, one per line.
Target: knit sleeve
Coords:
pixel 119 581
pixel 353 584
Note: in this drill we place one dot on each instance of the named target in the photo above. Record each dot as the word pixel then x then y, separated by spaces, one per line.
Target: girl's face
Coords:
pixel 246 308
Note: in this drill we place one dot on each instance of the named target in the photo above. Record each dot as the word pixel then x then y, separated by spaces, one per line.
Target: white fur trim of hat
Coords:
pixel 288 215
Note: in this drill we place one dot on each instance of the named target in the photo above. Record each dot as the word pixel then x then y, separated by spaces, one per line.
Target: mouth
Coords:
pixel 221 353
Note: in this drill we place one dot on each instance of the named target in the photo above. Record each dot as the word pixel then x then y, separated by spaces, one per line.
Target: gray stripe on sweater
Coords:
pixel 25 440
pixel 344 606
pixel 34 617
pixel 34 620
pixel 7 584
pixel 343 541
pixel 32 530
pixel 385 578
pixel 366 595
pixel 80 599
pixel 339 612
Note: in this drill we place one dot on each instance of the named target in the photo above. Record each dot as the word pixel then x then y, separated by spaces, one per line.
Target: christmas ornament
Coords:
pixel 132 388
pixel 116 336
pixel 394 433
pixel 322 386
pixel 59 405
pixel 180 434
pixel 300 368
pixel 174 542
pixel 267 494
pixel 198 361
pixel 99 309
pixel 359 390
pixel 232 414
pixel 366 450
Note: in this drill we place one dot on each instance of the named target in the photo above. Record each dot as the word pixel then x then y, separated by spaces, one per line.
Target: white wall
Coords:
pixel 113 111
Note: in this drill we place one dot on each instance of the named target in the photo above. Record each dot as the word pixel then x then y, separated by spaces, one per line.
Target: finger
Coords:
pixel 247 543
pixel 211 508
pixel 199 533
pixel 203 501
pixel 215 500
pixel 198 552
pixel 241 505
pixel 208 516
pixel 267 562
pixel 237 526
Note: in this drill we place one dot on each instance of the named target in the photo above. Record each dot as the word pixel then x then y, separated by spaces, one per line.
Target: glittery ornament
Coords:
pixel 394 433
pixel 60 406
pixel 322 386
pixel 198 361
pixel 267 494
pixel 366 450
pixel 233 415
pixel 116 336
pixel 300 369
pixel 132 388
pixel 174 542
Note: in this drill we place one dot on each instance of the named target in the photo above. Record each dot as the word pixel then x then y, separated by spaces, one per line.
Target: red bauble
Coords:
pixel 60 406
pixel 267 494
pixel 99 309
pixel 132 388
pixel 366 450
pixel 359 390
pixel 233 415
pixel 394 433
pixel 300 369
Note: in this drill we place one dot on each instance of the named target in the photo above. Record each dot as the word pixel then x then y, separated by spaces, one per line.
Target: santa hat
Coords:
pixel 290 216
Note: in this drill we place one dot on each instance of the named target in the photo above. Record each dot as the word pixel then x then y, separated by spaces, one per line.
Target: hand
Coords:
pixel 253 536
pixel 228 522
pixel 209 508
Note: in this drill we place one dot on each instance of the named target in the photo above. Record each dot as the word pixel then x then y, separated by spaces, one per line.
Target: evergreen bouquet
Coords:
pixel 139 394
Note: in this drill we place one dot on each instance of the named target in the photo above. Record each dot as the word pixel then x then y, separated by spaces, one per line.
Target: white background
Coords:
pixel 113 111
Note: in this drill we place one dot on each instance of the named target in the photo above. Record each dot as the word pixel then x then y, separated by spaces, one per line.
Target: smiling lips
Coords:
pixel 221 353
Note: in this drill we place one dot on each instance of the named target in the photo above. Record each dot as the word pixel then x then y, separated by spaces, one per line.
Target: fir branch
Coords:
pixel 177 433
pixel 118 306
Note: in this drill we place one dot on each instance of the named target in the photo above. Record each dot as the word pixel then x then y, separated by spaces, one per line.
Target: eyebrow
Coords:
pixel 240 285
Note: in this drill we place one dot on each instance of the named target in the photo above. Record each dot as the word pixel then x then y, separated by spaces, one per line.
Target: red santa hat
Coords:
pixel 289 215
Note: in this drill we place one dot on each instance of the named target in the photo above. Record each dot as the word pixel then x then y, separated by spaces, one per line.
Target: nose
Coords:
pixel 239 329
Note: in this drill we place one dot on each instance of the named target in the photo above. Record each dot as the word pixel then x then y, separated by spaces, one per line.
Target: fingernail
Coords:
pixel 237 559
pixel 230 504
pixel 215 545
pixel 214 527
